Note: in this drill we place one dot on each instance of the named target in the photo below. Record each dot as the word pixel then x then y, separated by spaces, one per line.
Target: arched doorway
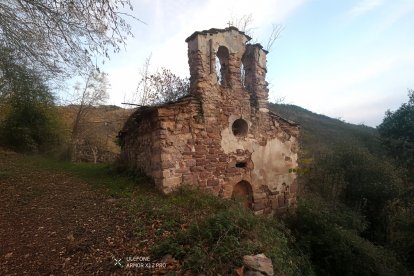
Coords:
pixel 243 191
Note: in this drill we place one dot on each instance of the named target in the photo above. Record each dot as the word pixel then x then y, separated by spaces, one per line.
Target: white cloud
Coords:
pixel 364 7
pixel 396 11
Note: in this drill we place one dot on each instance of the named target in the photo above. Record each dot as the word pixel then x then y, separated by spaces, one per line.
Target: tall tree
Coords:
pixel 397 132
pixel 141 95
pixel 92 93
pixel 28 118
pixel 165 86
pixel 160 87
pixel 53 34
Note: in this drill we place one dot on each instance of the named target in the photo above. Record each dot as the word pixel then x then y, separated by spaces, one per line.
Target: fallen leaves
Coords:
pixel 54 223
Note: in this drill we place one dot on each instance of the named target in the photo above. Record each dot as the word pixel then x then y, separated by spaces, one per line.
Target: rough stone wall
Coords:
pixel 140 143
pixel 196 142
pixel 179 123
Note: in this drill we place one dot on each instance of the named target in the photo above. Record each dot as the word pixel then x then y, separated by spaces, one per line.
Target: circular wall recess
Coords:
pixel 240 128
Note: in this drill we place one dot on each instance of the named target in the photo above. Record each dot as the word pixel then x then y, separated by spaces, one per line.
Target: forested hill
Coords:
pixel 355 205
pixel 320 133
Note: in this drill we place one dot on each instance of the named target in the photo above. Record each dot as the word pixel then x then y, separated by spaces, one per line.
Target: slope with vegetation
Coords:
pixel 353 213
pixel 93 210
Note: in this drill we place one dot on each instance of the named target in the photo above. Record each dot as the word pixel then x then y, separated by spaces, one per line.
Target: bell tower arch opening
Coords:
pixel 222 66
pixel 242 75
pixel 243 192
pixel 243 71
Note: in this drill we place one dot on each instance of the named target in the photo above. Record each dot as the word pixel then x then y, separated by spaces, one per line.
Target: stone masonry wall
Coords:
pixel 206 156
pixel 141 146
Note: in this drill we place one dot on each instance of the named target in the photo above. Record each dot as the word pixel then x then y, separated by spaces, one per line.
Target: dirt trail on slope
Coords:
pixel 55 223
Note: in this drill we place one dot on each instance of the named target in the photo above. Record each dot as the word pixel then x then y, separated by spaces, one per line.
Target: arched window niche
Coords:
pixel 240 128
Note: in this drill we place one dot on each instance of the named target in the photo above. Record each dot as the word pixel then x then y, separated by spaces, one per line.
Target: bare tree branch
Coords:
pixel 56 35
pixel 244 24
pixel 93 93
pixel 274 35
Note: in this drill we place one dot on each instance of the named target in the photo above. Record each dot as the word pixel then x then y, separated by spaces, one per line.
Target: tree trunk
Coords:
pixel 95 154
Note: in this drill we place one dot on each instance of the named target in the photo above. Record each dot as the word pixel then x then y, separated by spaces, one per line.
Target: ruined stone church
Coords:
pixel 222 136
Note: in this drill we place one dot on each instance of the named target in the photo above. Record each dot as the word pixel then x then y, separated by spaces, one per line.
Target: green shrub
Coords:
pixel 401 229
pixel 334 247
pixel 360 180
pixel 397 133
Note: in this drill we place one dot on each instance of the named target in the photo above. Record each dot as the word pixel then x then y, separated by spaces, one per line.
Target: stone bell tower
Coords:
pixel 222 57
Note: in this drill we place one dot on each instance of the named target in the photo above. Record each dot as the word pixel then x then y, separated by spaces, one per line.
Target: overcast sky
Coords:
pixel 346 59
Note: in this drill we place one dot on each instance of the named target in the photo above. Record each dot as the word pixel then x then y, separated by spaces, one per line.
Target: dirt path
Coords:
pixel 54 223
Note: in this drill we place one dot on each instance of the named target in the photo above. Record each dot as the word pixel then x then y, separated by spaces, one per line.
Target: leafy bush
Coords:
pixel 397 133
pixel 334 246
pixel 360 180
pixel 30 127
pixel 401 229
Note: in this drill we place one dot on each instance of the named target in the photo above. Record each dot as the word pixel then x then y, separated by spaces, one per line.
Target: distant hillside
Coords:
pixel 104 122
pixel 320 133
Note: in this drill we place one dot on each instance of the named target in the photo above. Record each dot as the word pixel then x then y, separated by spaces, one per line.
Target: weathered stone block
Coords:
pixel 212 182
pixel 197 169
pixel 223 159
pixel 294 187
pixel 164 112
pixel 210 167
pixel 259 205
pixel 190 163
pixel 182 170
pixel 189 179
pixel 259 196
pixel 172 181
pixel 167 165
pixel 201 161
